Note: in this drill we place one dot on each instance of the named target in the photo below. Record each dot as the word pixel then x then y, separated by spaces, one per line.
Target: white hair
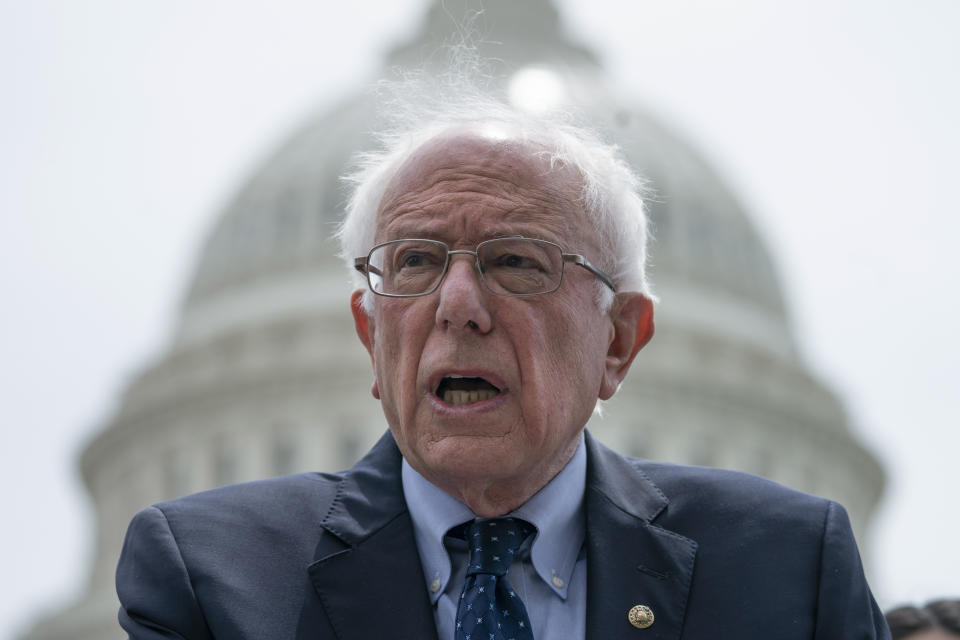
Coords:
pixel 612 195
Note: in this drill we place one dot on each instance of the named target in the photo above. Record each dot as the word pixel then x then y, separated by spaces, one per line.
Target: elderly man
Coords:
pixel 503 294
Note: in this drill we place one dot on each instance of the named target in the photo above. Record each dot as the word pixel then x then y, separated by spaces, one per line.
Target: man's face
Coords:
pixel 540 363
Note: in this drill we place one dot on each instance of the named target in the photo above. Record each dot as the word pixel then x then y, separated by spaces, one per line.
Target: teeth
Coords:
pixel 455 375
pixel 457 397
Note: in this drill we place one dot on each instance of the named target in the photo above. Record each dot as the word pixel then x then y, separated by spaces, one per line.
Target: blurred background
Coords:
pixel 173 317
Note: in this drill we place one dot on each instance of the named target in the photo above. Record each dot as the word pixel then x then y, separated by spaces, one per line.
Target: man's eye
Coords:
pixel 514 261
pixel 415 260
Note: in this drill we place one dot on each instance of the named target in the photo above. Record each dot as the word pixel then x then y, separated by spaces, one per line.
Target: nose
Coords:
pixel 463 298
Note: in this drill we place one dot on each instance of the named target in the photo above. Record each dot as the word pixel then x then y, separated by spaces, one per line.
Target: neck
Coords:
pixel 492 498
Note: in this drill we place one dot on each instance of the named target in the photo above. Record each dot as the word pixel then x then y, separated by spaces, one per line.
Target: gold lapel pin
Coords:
pixel 640 616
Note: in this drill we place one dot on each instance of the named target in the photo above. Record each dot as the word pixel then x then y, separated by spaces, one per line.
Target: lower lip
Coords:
pixel 490 404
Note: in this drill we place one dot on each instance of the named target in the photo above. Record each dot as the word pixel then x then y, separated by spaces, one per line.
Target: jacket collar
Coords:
pixel 367 571
pixel 370 580
pixel 630 560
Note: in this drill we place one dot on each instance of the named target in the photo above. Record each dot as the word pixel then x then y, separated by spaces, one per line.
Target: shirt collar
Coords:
pixel 556 511
pixel 558 514
pixel 434 512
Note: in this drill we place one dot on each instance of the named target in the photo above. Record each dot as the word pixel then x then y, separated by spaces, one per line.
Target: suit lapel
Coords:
pixel 368 575
pixel 367 571
pixel 631 561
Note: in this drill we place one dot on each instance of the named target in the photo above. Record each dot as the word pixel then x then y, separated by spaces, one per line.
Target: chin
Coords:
pixel 480 457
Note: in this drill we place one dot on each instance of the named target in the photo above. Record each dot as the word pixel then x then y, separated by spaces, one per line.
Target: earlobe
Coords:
pixel 632 317
pixel 363 324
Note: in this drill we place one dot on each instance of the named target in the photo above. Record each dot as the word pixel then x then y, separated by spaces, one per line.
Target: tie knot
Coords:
pixel 493 543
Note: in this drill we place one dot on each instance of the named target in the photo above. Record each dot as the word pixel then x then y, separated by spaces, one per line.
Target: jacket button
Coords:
pixel 640 616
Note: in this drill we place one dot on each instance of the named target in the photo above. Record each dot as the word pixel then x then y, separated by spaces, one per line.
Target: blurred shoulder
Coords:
pixel 296 497
pixel 733 498
pixel 676 491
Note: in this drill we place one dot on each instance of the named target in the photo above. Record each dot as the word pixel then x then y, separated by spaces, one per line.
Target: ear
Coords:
pixel 632 317
pixel 363 324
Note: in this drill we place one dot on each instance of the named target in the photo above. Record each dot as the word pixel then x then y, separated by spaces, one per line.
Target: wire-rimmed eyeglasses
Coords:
pixel 515 266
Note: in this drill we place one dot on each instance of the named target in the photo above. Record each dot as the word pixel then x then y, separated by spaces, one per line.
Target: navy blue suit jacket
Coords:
pixel 714 554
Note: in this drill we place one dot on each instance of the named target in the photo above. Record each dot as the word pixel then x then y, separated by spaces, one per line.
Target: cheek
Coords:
pixel 557 374
pixel 574 347
pixel 399 339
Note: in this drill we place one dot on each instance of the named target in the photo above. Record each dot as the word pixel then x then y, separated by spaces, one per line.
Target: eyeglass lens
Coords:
pixel 508 266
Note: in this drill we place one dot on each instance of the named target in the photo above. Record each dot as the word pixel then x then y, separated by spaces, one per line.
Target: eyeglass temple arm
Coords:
pixel 578 259
pixel 361 265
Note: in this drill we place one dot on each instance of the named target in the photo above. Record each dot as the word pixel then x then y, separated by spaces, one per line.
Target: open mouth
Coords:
pixel 459 390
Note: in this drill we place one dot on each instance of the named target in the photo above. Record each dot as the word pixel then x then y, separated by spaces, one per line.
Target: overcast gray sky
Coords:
pixel 124 126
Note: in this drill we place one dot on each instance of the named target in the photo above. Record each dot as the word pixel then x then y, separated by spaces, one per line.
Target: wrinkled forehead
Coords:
pixel 460 168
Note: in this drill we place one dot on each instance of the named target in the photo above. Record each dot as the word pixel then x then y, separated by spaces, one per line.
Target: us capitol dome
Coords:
pixel 264 375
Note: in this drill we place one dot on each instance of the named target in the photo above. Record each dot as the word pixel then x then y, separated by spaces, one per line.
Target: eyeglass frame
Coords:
pixel 362 264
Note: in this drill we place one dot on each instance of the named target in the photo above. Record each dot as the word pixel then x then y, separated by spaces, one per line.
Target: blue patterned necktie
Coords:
pixel 489 609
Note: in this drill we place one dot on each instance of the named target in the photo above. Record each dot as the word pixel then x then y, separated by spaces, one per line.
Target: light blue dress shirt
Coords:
pixel 551 574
